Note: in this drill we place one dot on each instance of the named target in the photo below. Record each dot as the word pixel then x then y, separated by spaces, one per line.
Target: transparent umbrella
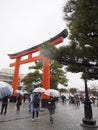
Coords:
pixel 39 90
pixel 5 89
pixel 52 92
pixel 19 91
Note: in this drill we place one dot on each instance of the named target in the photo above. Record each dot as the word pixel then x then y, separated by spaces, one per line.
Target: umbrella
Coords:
pixel 77 94
pixel 39 90
pixel 19 91
pixel 5 89
pixel 52 92
pixel 25 92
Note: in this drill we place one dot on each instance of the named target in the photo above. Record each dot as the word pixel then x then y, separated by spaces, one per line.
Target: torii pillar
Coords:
pixel 30 58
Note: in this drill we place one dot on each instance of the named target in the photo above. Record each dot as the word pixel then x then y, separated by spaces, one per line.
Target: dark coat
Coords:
pixel 51 103
pixel 5 100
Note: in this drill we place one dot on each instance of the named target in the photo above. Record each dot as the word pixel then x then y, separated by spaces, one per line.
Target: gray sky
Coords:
pixel 26 23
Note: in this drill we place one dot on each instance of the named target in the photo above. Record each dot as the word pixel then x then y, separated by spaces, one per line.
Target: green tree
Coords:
pixel 69 9
pixel 57 74
pixel 83 48
pixel 73 90
pixel 34 79
pixel 93 91
pixel 63 90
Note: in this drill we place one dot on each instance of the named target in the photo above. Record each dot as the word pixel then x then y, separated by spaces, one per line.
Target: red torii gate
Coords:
pixel 30 58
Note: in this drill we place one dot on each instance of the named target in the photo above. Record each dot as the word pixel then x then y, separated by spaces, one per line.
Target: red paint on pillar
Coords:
pixel 46 76
pixel 16 75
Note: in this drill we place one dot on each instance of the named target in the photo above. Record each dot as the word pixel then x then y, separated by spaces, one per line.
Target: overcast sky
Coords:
pixel 26 23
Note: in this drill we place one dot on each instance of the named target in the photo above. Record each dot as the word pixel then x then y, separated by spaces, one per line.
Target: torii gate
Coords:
pixel 30 58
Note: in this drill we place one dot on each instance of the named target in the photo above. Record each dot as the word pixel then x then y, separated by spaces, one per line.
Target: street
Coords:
pixel 67 117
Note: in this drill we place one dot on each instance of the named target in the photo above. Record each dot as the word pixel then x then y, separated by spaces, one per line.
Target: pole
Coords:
pixel 88 115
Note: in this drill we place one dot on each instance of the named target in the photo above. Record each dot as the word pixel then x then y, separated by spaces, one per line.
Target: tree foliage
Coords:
pixel 57 75
pixel 34 79
pixel 69 10
pixel 84 38
pixel 73 90
pixel 93 91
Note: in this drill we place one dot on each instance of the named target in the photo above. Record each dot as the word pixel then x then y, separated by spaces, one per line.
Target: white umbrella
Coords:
pixel 39 90
pixel 5 89
pixel 52 92
pixel 25 92
pixel 77 94
pixel 19 91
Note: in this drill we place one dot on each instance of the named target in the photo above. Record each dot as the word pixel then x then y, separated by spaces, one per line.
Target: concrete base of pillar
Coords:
pixel 91 123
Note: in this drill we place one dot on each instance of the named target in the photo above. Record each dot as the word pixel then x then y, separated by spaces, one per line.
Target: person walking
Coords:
pixel 24 98
pixel 30 96
pixel 18 101
pixel 51 107
pixel 63 99
pixel 77 100
pixel 4 101
pixel 35 106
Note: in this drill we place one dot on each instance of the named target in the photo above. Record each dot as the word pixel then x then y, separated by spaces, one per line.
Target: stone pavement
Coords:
pixel 67 117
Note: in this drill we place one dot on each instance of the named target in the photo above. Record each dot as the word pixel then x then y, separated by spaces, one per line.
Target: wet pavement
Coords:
pixel 67 117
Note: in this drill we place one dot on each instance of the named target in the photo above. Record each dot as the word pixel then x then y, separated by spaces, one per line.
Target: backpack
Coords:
pixel 51 104
pixel 36 102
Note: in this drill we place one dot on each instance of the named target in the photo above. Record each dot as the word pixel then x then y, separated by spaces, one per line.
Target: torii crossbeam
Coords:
pixel 31 58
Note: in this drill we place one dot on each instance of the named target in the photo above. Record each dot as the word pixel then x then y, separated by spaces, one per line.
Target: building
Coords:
pixel 6 75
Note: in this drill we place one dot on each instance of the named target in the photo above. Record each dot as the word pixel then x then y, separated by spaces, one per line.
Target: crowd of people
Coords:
pixel 34 104
pixel 72 99
pixel 77 99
